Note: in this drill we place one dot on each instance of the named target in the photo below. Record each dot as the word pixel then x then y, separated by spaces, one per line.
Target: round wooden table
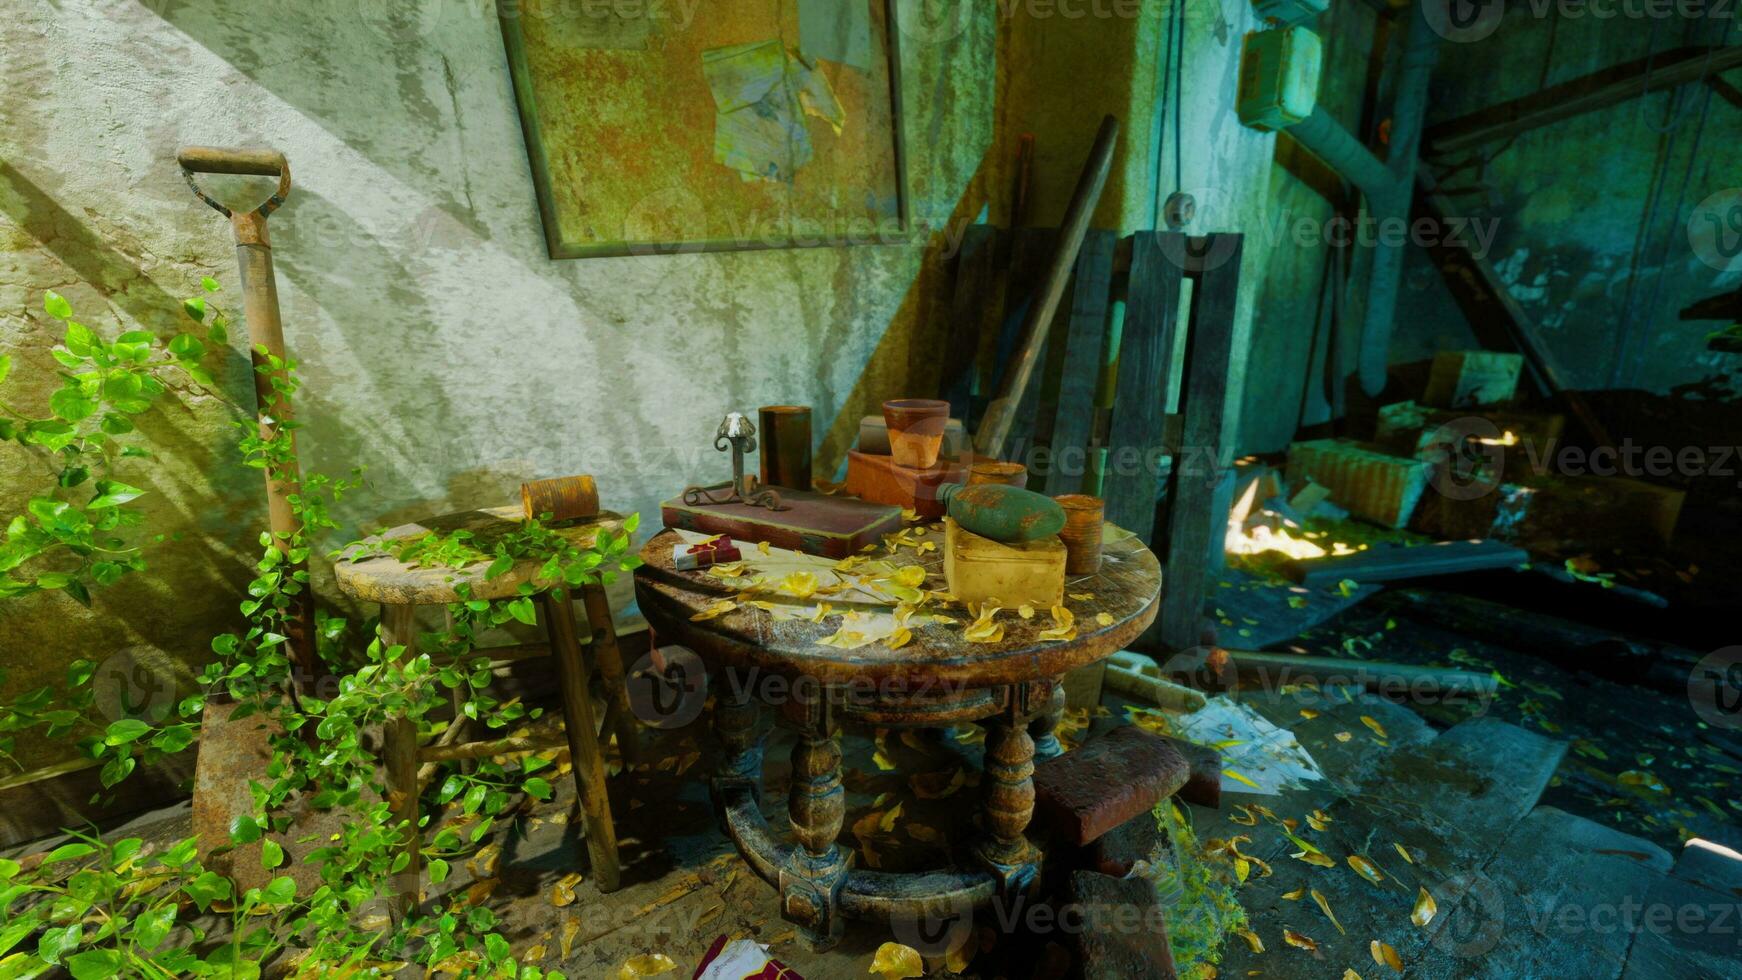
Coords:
pixel 937 679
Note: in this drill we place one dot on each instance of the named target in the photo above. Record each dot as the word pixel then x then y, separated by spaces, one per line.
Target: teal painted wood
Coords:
pixel 1079 373
pixel 1135 436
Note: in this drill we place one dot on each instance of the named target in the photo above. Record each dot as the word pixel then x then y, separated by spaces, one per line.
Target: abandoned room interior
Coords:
pixel 815 489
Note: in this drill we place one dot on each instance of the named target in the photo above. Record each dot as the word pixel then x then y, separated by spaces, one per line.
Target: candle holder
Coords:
pixel 738 436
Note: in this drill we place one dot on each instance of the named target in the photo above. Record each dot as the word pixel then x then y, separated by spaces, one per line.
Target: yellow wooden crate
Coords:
pixel 980 569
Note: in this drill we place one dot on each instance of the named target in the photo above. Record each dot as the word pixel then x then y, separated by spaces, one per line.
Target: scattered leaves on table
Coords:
pixel 1299 941
pixel 1325 907
pixel 1366 869
pixel 1384 955
pixel 646 965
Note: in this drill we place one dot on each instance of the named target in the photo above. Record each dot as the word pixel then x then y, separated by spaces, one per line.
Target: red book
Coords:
pixel 814 523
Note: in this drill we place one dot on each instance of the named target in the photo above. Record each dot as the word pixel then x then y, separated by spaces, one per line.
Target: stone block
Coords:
pixel 1082 795
pixel 1122 934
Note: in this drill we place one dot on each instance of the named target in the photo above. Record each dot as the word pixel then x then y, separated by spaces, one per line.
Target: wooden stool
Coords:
pixel 400 588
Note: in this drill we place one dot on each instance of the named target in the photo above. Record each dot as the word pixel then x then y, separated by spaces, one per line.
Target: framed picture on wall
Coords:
pixel 671 126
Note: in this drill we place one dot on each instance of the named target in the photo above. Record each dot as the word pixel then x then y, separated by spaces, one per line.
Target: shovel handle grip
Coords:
pixel 226 160
pixel 247 161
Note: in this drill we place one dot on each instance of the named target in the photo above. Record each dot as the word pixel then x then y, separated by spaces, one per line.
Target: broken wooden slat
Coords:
pixel 1136 436
pixel 1074 418
pixel 1195 528
pixel 1392 564
pixel 1588 93
pixel 1272 670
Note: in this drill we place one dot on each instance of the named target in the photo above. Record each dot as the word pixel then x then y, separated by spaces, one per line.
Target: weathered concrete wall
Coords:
pixel 442 349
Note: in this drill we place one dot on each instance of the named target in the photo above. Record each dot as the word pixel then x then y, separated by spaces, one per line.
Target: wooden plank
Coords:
pixel 1074 417
pixel 976 269
pixel 1135 436
pixel 1194 528
pixel 1030 250
pixel 1587 93
pixel 1392 564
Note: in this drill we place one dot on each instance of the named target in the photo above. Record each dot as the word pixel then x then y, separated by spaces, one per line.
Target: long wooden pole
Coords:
pixel 266 343
pixel 1001 413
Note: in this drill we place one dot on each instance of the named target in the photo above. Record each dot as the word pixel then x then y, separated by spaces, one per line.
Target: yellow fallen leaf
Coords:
pixel 1105 619
pixel 1308 713
pixel 1314 858
pixel 536 954
pixel 937 785
pixel 1351 975
pixel 1082 596
pixel 887 824
pixel 1425 909
pixel 1025 610
pixel 1296 895
pixel 718 609
pixel 898 639
pixel 1373 723
pixel 646 965
pixel 1366 869
pixel 957 960
pixel 1317 820
pixel 1231 774
pixel 1299 941
pixel 1325 907
pixel 1404 853
pixel 1343 736
pixel 1384 955
pixel 799 585
pixel 883 761
pixel 911 576
pixel 1245 817
pixel 1251 938
pixel 762 546
pixel 897 962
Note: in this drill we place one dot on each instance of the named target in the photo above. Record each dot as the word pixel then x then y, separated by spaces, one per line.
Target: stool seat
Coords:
pixel 384 579
pixel 1084 794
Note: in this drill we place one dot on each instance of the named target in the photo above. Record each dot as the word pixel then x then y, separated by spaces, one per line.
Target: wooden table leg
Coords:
pixel 736 713
pixel 399 628
pixel 611 671
pixel 1009 798
pixel 817 805
pixel 581 729
pixel 1044 728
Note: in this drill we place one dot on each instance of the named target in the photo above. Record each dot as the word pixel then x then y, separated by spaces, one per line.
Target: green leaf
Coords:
pixel 209 284
pixel 271 855
pixel 244 829
pixel 71 403
pixel 195 308
pixel 68 852
pixel 281 891
pixel 537 787
pixel 181 853
pixel 113 494
pixel 187 347
pixel 116 769
pixel 207 888
pixel 5 366
pixel 521 610
pixel 124 731
pixel 152 927
pixel 494 945
pixel 56 305
pixel 8 868
pixel 56 942
pixel 95 964
pixel 438 871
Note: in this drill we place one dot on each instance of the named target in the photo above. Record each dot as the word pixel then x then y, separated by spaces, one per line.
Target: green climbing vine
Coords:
pixel 100 909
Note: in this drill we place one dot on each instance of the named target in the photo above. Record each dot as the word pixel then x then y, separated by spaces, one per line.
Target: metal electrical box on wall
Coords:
pixel 1279 77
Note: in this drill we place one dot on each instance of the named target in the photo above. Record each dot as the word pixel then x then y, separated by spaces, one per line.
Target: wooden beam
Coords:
pixel 1588 93
pixel 1729 93
pixel 1138 435
pixel 1393 564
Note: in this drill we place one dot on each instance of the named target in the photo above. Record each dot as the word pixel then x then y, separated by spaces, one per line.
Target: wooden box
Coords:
pixel 879 480
pixel 1372 485
pixel 814 523
pixel 978 568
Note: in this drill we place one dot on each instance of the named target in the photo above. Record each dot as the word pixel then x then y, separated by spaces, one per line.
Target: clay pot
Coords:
pixel 994 471
pixel 1084 516
pixel 916 430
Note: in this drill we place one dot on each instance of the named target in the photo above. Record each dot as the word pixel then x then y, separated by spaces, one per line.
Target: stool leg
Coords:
pixel 810 885
pixel 1009 801
pixel 610 660
pixel 398 628
pixel 584 754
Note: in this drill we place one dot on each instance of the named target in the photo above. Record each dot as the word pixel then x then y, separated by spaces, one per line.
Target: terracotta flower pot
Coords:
pixel 916 430
pixel 1084 516
pixel 994 471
